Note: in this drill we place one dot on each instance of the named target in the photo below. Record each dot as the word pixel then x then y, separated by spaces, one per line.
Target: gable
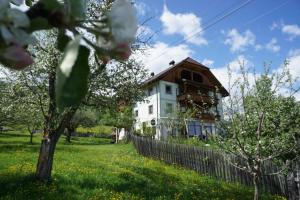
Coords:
pixel 199 74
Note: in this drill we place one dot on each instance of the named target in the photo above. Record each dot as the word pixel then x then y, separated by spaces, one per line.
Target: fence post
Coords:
pixel 293 182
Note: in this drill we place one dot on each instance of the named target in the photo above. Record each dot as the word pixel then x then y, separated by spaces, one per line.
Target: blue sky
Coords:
pixel 261 31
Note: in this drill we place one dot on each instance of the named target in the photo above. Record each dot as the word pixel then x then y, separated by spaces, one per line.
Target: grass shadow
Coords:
pixel 6 135
pixel 18 147
pixel 27 187
pixel 86 141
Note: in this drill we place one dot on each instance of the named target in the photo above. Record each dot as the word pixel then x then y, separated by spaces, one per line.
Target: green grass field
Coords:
pixel 92 168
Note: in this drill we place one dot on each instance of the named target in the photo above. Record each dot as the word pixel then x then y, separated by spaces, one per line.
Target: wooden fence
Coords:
pixel 209 162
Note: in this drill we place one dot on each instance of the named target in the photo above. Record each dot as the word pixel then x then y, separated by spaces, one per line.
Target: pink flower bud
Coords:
pixel 16 57
pixel 122 51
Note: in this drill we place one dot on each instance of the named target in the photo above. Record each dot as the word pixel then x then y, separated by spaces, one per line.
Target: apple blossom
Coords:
pixel 123 22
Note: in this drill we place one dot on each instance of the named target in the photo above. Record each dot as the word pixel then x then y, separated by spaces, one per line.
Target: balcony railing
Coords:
pixel 197 98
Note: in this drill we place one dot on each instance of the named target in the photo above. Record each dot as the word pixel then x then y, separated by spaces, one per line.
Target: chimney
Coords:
pixel 152 74
pixel 172 62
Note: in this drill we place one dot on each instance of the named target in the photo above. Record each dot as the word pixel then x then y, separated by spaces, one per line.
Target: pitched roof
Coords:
pixel 187 60
pixel 162 73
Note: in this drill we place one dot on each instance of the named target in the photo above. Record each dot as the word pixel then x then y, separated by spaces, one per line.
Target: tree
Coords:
pixel 64 77
pixel 119 91
pixel 7 108
pixel 107 87
pixel 29 115
pixel 262 124
pixel 178 119
pixel 83 117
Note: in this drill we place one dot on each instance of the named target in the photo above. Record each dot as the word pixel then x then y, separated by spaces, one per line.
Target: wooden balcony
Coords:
pixel 197 98
pixel 188 83
pixel 207 117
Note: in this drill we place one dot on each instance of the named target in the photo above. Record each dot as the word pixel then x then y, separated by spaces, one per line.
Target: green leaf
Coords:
pixel 19 18
pixel 53 5
pixel 72 75
pixel 77 8
pixel 62 40
pixel 4 5
pixel 6 34
pixel 22 37
pixel 39 23
pixel 28 2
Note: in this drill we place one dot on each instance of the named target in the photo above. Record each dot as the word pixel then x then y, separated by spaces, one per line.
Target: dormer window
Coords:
pixel 197 78
pixel 168 89
pixel 150 91
pixel 186 75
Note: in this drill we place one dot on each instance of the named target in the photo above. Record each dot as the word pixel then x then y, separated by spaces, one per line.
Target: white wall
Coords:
pixel 167 98
pixel 143 107
pixel 159 99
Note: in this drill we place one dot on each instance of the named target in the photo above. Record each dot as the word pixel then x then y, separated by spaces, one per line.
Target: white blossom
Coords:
pixel 123 22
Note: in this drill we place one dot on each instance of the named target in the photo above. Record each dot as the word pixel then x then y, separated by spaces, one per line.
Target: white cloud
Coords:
pixel 293 66
pixel 274 26
pixel 141 8
pixel 293 30
pixel 240 60
pixel 234 66
pixel 184 24
pixel 222 75
pixel 294 63
pixel 257 47
pixel 273 46
pixel 222 72
pixel 294 52
pixel 239 41
pixel 208 62
pixel 153 59
pixel 144 31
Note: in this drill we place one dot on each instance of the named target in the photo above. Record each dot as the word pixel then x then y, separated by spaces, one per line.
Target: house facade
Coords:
pixel 187 85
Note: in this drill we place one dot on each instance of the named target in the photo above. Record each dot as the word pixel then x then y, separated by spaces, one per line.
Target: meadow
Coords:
pixel 93 168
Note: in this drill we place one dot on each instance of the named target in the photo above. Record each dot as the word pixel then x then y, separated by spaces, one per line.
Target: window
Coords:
pixel 208 130
pixel 168 89
pixel 136 113
pixel 169 108
pixel 150 91
pixel 194 128
pixel 186 75
pixel 197 78
pixel 150 109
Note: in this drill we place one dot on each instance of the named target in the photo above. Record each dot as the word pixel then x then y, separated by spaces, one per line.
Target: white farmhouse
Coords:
pixel 182 85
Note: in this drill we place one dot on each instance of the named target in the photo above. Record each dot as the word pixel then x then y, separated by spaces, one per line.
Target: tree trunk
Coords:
pixel 68 138
pixel 45 161
pixel 30 134
pixel 68 134
pixel 256 187
pixel 50 137
pixel 31 137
